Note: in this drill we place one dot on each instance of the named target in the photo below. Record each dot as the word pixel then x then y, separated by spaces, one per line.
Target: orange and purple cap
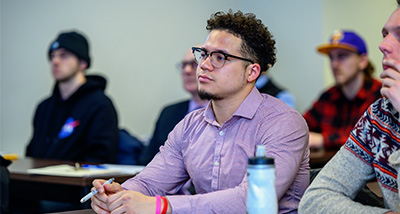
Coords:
pixel 348 40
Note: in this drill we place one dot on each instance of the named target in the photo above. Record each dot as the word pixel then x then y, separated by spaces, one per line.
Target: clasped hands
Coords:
pixel 112 198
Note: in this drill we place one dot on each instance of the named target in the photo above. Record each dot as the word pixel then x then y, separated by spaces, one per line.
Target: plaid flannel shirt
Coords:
pixel 334 116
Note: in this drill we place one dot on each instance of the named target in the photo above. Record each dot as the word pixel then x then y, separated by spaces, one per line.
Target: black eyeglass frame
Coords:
pixel 220 52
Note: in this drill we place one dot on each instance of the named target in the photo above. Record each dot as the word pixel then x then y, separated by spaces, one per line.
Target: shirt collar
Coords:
pixel 247 108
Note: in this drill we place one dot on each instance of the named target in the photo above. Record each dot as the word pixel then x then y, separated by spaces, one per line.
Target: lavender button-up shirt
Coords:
pixel 215 157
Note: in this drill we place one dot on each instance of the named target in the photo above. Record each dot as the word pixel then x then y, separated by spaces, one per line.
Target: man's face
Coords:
pixel 346 65
pixel 188 73
pixel 64 65
pixel 227 81
pixel 390 45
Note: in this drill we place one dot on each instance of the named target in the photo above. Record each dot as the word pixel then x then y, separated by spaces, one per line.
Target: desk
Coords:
pixel 319 158
pixel 56 188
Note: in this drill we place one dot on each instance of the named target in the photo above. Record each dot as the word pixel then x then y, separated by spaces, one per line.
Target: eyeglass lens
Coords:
pixel 217 59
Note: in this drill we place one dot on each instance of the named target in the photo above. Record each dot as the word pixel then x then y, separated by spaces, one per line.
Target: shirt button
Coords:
pixel 221 133
pixel 216 163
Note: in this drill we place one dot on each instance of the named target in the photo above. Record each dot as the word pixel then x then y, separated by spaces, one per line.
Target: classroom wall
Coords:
pixel 136 44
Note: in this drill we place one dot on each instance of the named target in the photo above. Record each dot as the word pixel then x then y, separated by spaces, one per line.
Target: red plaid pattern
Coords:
pixel 334 116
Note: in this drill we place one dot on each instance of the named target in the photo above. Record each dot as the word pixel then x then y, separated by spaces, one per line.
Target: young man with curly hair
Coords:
pixel 211 146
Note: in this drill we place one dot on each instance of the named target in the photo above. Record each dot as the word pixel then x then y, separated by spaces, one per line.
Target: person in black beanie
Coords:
pixel 4 185
pixel 78 122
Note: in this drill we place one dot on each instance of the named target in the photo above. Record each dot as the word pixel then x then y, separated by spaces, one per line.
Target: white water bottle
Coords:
pixel 261 193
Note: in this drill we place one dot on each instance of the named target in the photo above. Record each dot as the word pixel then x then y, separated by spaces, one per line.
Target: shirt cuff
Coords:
pixel 179 204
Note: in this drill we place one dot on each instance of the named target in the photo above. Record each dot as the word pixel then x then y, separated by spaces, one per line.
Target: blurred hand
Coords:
pixel 391 82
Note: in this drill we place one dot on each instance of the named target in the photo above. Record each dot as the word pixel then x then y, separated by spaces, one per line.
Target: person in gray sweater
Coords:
pixel 372 149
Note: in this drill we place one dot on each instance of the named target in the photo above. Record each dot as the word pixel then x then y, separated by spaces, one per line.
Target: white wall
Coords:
pixel 297 28
pixel 136 44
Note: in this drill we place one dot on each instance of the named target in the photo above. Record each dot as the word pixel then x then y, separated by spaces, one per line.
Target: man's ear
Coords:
pixel 83 65
pixel 364 62
pixel 254 70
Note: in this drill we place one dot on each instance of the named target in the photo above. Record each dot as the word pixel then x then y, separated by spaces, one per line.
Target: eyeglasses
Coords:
pixel 182 65
pixel 218 58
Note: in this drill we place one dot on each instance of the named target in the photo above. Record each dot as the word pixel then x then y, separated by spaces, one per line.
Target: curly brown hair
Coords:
pixel 258 43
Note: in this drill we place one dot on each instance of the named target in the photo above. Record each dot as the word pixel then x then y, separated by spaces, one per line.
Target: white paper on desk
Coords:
pixel 70 171
pixel 126 169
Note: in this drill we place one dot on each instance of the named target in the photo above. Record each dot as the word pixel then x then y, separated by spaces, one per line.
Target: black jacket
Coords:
pixel 270 88
pixel 169 117
pixel 82 128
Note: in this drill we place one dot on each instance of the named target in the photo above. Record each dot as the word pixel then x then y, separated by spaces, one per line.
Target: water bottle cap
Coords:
pixel 261 160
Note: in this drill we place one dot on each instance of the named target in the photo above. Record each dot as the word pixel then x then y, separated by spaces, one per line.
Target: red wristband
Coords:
pixel 158 204
pixel 165 208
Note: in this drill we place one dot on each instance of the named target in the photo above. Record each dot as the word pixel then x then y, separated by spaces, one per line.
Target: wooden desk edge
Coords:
pixel 74 181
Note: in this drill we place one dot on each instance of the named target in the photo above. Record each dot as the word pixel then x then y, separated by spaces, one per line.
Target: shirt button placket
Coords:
pixel 217 156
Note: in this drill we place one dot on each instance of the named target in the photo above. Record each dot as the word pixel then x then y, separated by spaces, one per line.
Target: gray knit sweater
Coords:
pixel 365 156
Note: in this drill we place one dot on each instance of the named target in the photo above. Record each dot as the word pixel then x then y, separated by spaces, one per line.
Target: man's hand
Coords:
pixel 99 201
pixel 113 198
pixel 131 202
pixel 391 82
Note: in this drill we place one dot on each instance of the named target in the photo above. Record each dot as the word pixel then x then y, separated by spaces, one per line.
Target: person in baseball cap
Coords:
pixel 334 114
pixel 344 39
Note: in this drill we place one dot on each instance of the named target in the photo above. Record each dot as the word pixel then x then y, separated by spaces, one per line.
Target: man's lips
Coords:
pixel 336 72
pixel 204 78
pixel 386 67
pixel 385 64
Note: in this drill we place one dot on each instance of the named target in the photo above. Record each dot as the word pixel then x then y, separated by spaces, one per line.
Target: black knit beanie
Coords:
pixel 74 43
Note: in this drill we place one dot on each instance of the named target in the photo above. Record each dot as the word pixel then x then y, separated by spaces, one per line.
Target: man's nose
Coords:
pixel 385 46
pixel 334 62
pixel 55 59
pixel 206 64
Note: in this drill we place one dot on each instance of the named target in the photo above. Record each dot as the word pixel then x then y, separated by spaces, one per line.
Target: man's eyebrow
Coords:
pixel 216 51
pixel 385 29
pixel 221 51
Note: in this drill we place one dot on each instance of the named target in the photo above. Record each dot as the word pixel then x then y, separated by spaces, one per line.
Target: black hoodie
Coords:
pixel 82 128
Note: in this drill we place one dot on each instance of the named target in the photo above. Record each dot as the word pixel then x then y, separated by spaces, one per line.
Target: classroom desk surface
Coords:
pixel 18 171
pixel 56 188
